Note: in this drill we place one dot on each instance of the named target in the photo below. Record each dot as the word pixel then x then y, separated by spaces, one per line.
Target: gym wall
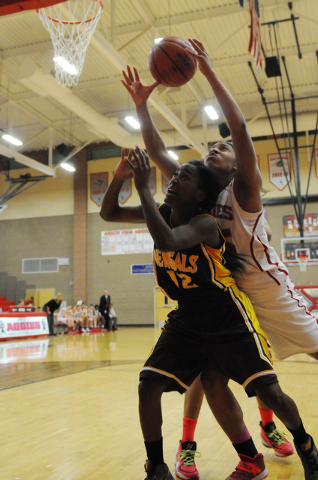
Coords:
pixel 40 223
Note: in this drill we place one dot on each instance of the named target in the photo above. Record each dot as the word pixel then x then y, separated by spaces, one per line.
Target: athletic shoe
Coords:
pixel 276 440
pixel 310 461
pixel 249 468
pixel 158 472
pixel 184 461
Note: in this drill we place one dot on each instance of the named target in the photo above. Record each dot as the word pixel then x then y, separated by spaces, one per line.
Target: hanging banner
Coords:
pixel 98 186
pixel 125 191
pixel 279 176
pixel 164 184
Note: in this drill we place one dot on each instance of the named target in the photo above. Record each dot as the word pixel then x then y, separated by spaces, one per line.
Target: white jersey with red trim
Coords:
pixel 281 312
pixel 245 233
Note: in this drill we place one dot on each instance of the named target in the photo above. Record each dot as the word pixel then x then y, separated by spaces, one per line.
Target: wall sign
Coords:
pixel 140 269
pixel 121 242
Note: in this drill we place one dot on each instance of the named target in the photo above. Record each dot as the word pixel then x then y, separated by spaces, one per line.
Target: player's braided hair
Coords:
pixel 210 184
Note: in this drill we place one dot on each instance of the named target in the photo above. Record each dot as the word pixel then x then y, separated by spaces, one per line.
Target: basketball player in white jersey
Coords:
pixel 290 328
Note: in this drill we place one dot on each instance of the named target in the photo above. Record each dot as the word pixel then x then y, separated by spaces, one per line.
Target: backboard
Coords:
pixel 14 6
pixel 293 248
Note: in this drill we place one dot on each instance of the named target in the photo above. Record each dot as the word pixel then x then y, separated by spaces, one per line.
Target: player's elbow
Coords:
pixel 106 215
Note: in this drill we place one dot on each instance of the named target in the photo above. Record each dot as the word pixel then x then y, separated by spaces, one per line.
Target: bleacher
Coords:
pixel 12 290
pixel 5 304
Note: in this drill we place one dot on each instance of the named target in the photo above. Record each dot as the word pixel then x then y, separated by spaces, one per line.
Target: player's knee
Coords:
pixel 272 395
pixel 149 391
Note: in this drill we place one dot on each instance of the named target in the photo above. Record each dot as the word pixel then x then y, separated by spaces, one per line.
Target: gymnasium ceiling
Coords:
pixel 42 113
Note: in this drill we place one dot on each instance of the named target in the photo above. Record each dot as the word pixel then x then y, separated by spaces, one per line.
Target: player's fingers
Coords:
pixel 136 157
pixel 127 78
pixel 136 74
pixel 126 85
pixel 144 161
pixel 153 86
pixel 132 166
pixel 130 75
pixel 196 45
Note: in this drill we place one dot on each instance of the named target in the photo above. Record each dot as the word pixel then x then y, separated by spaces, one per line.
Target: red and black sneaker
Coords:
pixel 249 468
pixel 273 438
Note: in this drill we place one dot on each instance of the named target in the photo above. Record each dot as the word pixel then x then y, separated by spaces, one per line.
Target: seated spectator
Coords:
pixel 100 319
pixel 29 301
pixel 113 318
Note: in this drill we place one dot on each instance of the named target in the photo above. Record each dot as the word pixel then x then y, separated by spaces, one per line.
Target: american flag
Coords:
pixel 255 46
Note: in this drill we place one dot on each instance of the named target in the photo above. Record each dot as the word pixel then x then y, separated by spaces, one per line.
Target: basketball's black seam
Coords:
pixel 170 60
pixel 154 62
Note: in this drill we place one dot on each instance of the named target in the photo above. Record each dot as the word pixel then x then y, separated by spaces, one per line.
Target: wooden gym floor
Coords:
pixel 69 411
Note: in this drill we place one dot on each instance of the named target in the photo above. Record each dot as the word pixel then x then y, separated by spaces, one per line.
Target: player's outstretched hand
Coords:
pixel 139 92
pixel 200 55
pixel 140 165
pixel 123 169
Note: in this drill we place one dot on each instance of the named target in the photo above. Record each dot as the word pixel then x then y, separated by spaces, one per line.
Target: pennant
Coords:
pixel 241 3
pixel 255 46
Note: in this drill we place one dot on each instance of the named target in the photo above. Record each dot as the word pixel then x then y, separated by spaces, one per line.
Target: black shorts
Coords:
pixel 181 354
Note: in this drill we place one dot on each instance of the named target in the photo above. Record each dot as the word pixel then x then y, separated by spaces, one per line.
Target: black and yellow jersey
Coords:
pixel 196 276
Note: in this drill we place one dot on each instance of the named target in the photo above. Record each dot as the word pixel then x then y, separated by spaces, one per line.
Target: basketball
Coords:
pixel 170 64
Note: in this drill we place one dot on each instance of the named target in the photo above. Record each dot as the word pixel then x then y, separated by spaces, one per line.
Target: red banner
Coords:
pixel 254 46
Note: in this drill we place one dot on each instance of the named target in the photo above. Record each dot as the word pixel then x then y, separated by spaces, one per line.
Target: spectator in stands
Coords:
pixel 50 308
pixel 21 302
pixel 29 301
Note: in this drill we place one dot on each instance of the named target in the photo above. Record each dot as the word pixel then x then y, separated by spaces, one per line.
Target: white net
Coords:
pixel 71 25
pixel 302 260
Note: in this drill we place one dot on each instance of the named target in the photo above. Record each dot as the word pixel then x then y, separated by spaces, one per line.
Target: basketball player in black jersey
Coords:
pixel 214 322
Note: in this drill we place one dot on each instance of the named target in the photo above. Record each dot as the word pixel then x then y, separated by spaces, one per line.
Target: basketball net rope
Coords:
pixel 71 36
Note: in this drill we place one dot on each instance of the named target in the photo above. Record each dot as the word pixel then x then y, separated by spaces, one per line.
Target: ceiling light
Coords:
pixel 158 39
pixel 12 140
pixel 211 112
pixel 65 65
pixel 67 167
pixel 133 122
pixel 173 155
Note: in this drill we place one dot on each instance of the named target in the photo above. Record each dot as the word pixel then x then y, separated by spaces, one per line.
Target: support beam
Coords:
pixel 28 162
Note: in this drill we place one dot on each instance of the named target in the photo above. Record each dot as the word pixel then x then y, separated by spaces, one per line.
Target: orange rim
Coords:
pixel 39 11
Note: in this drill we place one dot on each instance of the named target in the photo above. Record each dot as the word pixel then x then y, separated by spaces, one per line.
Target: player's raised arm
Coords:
pixel 153 141
pixel 110 210
pixel 248 179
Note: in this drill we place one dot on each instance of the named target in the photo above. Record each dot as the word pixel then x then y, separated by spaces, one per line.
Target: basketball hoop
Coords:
pixel 70 36
pixel 302 260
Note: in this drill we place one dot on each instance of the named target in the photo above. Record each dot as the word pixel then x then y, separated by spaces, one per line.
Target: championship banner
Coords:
pixel 125 191
pixel 164 184
pixel 279 176
pixel 98 186
pixel 291 226
pixel 316 162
